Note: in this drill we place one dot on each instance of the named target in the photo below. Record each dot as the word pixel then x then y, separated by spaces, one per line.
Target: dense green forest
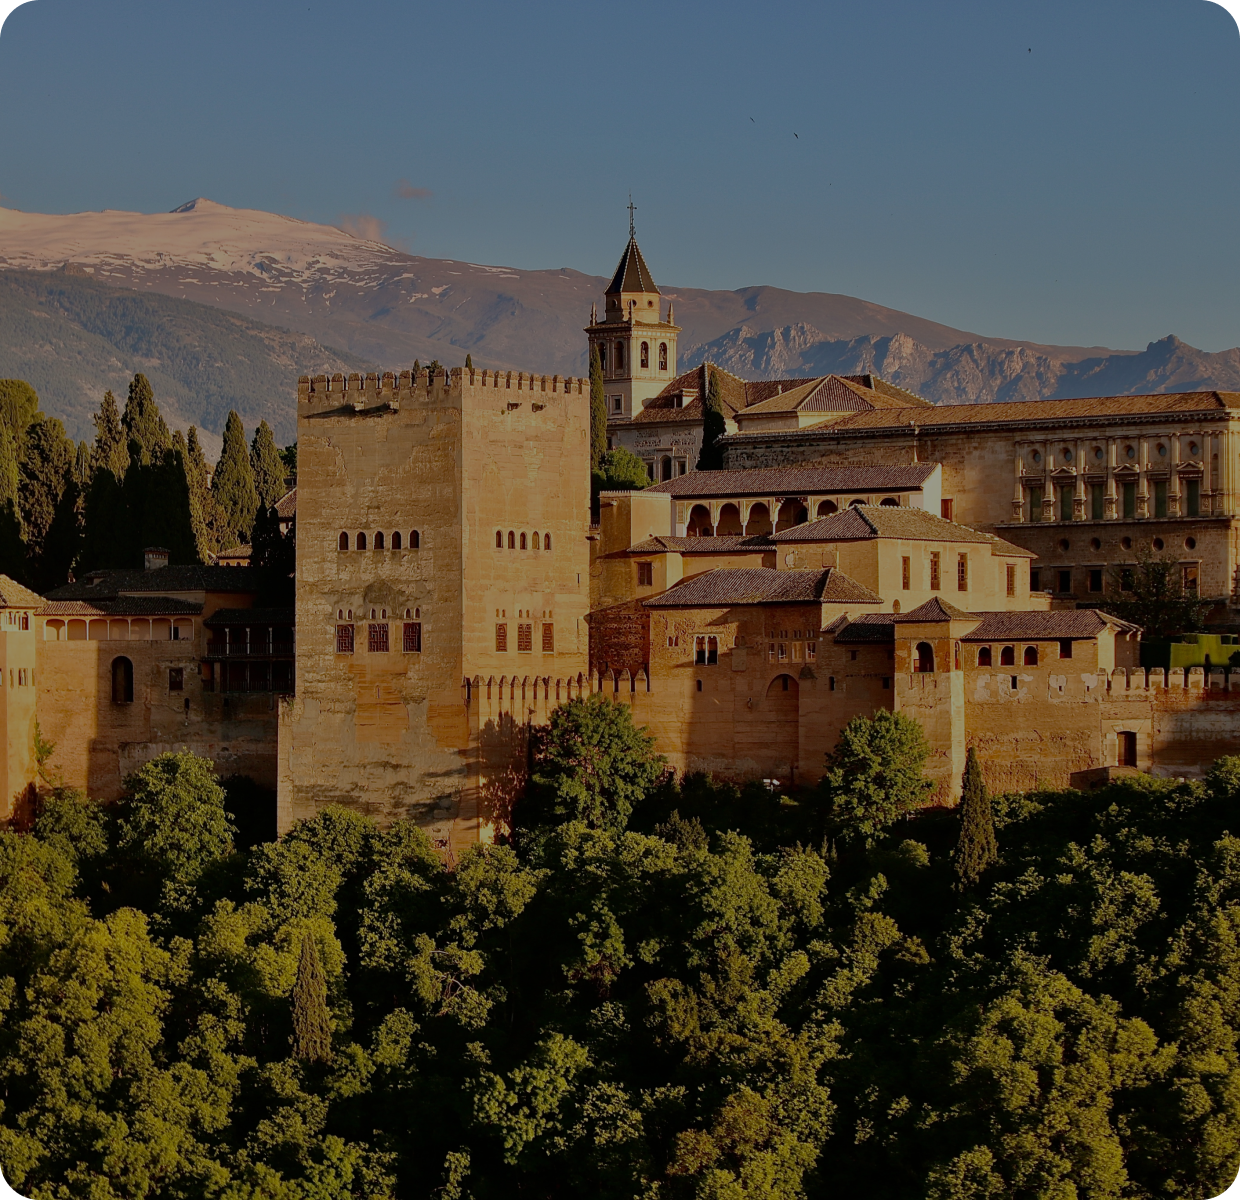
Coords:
pixel 658 987
pixel 67 508
pixel 73 337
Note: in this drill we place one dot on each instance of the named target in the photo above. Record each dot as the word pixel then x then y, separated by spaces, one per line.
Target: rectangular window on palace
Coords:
pixel 413 637
pixel 1065 648
pixel 344 639
pixel 525 638
pixel 1035 579
pixel 906 572
pixel 1190 580
pixel 1097 501
pixel 377 637
pixel 1130 499
pixel 1011 579
pixel 548 639
pixel 645 574
pixel 934 570
pixel 1127 579
pixel 176 679
pixel 1065 503
pixel 962 573
pixel 770 652
pixel 501 638
pixel 947 509
pixel 1160 498
pixel 1095 579
pixel 783 651
pixel 811 651
pixel 1193 498
pixel 1065 581
pixel 1035 504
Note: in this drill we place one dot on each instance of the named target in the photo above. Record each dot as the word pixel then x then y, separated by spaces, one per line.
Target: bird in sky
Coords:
pixel 797 136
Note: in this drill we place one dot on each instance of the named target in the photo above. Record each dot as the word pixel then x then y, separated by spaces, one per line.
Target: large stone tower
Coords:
pixel 637 346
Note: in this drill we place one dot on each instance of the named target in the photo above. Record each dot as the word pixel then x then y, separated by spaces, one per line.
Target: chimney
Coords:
pixel 156 557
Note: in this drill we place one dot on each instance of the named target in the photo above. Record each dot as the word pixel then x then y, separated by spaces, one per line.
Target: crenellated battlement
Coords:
pixel 389 389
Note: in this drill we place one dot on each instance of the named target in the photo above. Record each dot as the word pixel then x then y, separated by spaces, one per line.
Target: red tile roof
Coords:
pixel 864 521
pixel 14 595
pixel 761 585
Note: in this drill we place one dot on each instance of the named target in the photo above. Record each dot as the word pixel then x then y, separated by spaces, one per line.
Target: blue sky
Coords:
pixel 1065 171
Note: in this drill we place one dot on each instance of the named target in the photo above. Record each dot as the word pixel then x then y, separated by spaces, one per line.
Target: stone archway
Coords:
pixel 699 524
pixel 729 523
pixel 759 520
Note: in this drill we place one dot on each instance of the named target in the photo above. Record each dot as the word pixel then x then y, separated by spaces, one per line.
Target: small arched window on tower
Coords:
pixel 645 354
pixel 344 541
pixel 1031 656
pixel 662 356
pixel 499 539
pixel 602 355
pixel 619 356
pixel 415 539
pixel 983 657
pixel 379 540
pixel 512 540
pixel 122 681
pixel 361 541
pixel 396 542
pixel 546 541
pixel 523 543
pixel 536 543
pixel 925 658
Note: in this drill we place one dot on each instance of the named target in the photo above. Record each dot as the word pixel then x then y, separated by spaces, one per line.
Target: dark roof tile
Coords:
pixel 632 275
pixel 762 585
pixel 195 578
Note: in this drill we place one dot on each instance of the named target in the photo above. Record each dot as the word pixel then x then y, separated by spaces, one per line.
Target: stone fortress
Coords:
pixel 863 549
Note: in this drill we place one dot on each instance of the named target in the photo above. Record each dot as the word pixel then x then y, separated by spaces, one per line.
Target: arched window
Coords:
pixel 512 540
pixel 858 503
pixel 619 356
pixel 536 543
pixel 415 539
pixel 645 354
pixel 546 541
pixel 1007 657
pixel 665 468
pixel 523 545
pixel 122 681
pixel 1031 656
pixel 827 507
pixel 602 355
pixel 379 540
pixel 889 502
pixel 361 541
pixel 983 657
pixel 499 539
pixel 662 356
pixel 925 657
pixel 344 541
pixel 396 540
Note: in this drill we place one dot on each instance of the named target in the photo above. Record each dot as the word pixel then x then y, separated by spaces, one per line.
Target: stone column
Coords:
pixel 1173 484
pixel 1018 489
pixel 1110 506
pixel 1078 500
pixel 1143 487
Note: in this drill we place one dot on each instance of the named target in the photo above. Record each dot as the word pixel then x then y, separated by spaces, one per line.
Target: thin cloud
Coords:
pixel 369 229
pixel 406 191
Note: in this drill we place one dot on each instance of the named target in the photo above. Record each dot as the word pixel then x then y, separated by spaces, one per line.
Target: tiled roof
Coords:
pixel 796 481
pixel 662 409
pixel 1023 412
pixel 123 606
pixel 759 390
pixel 632 275
pixel 1060 623
pixel 934 609
pixel 727 544
pixel 251 616
pixel 14 595
pixel 864 521
pixel 761 585
pixel 286 506
pixel 196 578
pixel 869 627
pixel 833 393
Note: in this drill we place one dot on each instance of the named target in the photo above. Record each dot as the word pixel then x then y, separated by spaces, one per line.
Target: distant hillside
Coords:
pixel 72 338
pixel 977 371
pixel 388 308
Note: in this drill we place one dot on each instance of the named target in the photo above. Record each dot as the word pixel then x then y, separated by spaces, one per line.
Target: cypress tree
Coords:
pixel 312 1030
pixel 63 545
pixel 12 546
pixel 288 456
pixel 713 426
pixel 166 514
pixel 469 362
pixel 103 540
pixel 598 413
pixel 233 483
pixel 45 463
pixel 18 404
pixel 110 452
pixel 976 849
pixel 206 518
pixel 267 466
pixel 143 423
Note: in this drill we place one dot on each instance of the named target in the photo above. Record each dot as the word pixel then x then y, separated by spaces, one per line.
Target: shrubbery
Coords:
pixel 662 987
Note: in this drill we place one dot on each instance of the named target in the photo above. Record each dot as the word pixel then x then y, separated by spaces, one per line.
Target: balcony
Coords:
pixel 253 650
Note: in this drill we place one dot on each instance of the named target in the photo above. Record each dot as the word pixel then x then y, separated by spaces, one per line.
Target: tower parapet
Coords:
pixel 365 392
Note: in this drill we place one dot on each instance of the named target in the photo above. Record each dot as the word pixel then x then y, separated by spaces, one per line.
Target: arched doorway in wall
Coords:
pixel 759 520
pixel 1127 748
pixel 827 507
pixel 791 512
pixel 729 523
pixel 781 721
pixel 699 524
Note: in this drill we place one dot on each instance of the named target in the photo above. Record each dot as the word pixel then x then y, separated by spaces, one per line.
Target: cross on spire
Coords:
pixel 632 210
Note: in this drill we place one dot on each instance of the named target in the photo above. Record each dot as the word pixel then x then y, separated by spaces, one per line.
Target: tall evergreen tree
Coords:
pixel 713 426
pixel 976 848
pixel 19 403
pixel 233 482
pixel 12 545
pixel 312 1029
pixel 63 546
pixel 288 456
pixel 207 518
pixel 46 462
pixel 598 412
pixel 166 509
pixel 143 423
pixel 267 466
pixel 469 362
pixel 110 451
pixel 104 538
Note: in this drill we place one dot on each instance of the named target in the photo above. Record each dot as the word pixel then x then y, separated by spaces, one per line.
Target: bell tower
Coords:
pixel 637 346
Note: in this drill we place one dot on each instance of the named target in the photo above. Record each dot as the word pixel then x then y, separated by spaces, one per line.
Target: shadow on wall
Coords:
pixel 503 760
